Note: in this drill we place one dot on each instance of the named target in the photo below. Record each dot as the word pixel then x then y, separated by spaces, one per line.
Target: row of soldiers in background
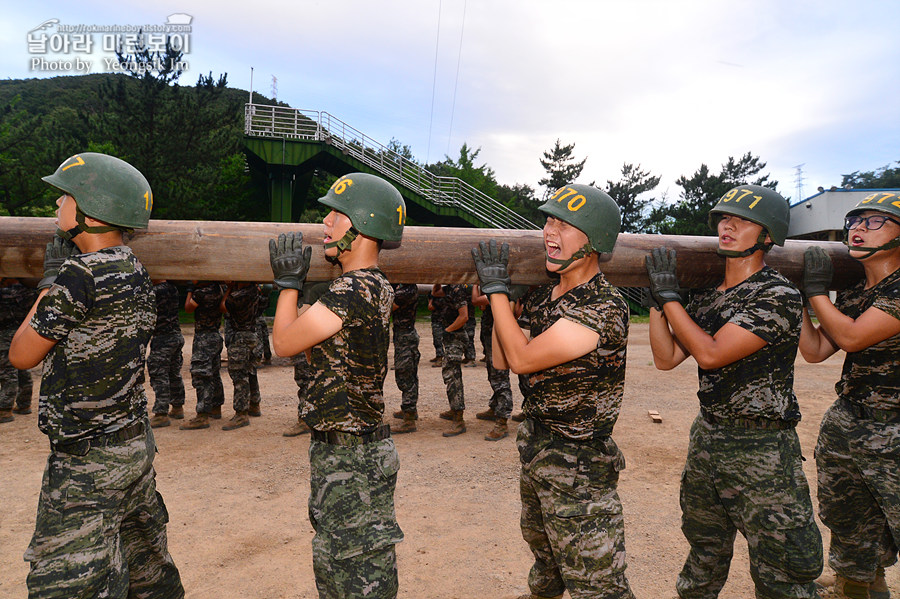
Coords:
pixel 453 331
pixel 16 387
pixel 246 339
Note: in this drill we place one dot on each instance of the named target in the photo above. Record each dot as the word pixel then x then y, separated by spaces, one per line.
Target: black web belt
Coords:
pixel 758 423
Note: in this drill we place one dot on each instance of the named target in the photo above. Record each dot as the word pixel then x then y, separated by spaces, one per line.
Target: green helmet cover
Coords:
pixel 880 201
pixel 589 210
pixel 105 188
pixel 761 205
pixel 374 206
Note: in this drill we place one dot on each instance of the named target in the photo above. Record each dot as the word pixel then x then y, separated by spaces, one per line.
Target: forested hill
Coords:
pixel 186 139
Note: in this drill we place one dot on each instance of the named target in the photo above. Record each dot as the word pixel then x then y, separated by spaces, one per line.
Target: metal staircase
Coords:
pixel 279 122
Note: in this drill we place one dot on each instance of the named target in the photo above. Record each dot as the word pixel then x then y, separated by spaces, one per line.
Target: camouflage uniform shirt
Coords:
pixel 580 399
pixel 407 299
pixel 870 376
pixel 454 299
pixel 346 393
pixel 761 385
pixel 102 311
pixel 243 306
pixel 207 316
pixel 15 302
pixel 167 306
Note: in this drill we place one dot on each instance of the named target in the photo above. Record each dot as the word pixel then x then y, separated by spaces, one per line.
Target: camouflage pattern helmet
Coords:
pixel 761 205
pixel 374 207
pixel 105 188
pixel 589 210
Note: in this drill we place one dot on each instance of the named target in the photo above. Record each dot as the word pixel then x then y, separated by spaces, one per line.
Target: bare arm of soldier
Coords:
pixel 562 342
pixel 667 351
pixel 871 327
pixel 28 348
pixel 293 333
pixel 815 344
pixel 730 343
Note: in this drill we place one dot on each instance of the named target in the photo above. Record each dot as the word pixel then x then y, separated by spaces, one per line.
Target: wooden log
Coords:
pixel 218 250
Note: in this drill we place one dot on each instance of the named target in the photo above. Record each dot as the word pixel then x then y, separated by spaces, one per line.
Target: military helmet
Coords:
pixel 761 205
pixel 589 210
pixel 880 201
pixel 105 188
pixel 374 206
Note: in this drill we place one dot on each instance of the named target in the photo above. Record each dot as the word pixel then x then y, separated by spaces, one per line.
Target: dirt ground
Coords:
pixel 237 500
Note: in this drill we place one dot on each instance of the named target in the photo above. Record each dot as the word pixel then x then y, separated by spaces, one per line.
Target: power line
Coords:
pixel 462 30
pixel 437 43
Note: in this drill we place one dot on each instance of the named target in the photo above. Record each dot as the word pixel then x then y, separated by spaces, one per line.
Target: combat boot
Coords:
pixel 201 420
pixel 22 410
pixel 216 413
pixel 844 588
pixel 532 596
pixel 159 421
pixel 447 414
pixel 498 432
pixel 487 415
pixel 6 415
pixel 518 417
pixel 408 425
pixel 254 410
pixel 401 415
pixel 176 412
pixel 240 419
pixel 879 588
pixel 459 425
pixel 298 428
pixel 437 364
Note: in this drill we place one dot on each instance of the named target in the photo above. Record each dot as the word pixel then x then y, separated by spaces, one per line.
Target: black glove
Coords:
pixel 663 282
pixel 817 271
pixel 56 253
pixel 491 263
pixel 289 260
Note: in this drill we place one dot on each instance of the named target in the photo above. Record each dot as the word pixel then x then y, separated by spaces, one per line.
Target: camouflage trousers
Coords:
pixel 470 335
pixel 351 508
pixel 101 527
pixel 451 371
pixel 206 370
pixel 501 400
pixel 437 336
pixel 859 491
pixel 164 368
pixel 244 355
pixel 16 386
pixel 262 330
pixel 571 515
pixel 748 480
pixel 406 368
pixel 302 376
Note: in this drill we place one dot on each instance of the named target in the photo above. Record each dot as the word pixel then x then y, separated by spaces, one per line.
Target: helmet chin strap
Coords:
pixel 564 264
pixel 759 245
pixel 870 250
pixel 82 227
pixel 343 244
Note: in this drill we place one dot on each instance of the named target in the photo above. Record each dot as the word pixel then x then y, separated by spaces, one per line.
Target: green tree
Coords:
pixel 561 167
pixel 464 168
pixel 626 191
pixel 520 199
pixel 700 192
pixel 882 178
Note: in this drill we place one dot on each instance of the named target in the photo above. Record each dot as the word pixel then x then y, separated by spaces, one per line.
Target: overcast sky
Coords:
pixel 668 84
